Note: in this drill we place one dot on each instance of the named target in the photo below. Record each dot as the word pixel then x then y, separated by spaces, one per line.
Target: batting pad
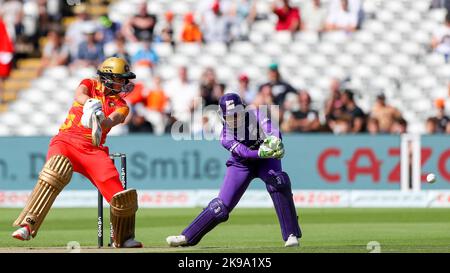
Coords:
pixel 55 175
pixel 123 211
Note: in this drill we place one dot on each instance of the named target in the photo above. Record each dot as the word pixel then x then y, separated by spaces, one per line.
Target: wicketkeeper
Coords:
pixel 78 147
pixel 256 150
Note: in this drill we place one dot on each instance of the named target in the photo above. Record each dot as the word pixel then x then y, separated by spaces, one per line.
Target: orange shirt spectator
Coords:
pixel 156 100
pixel 191 31
pixel 153 99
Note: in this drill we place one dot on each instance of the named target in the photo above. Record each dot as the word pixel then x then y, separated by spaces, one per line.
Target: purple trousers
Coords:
pixel 237 179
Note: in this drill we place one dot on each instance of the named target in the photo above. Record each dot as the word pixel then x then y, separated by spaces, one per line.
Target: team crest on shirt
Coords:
pixel 111 104
pixel 229 104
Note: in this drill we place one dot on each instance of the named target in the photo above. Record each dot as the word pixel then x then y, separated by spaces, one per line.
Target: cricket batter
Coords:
pixel 78 147
pixel 256 150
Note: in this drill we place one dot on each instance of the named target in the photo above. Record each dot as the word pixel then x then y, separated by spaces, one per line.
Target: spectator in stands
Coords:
pixel 334 102
pixel 118 48
pixel 55 52
pixel 182 94
pixel 145 56
pixel 304 119
pixel 357 115
pixel 440 41
pixel 288 16
pixel 244 15
pixel 441 117
pixel 166 34
pixel 431 125
pixel 373 126
pixel 12 13
pixel 6 55
pixel 141 26
pixel 264 96
pixel 138 124
pixel 314 16
pixel 75 31
pixel 244 89
pixel 279 87
pixel 108 30
pixel 90 51
pixel 341 124
pixel 385 114
pixel 208 86
pixel 399 126
pixel 439 4
pixel 151 104
pixel 216 26
pixel 190 32
pixel 342 18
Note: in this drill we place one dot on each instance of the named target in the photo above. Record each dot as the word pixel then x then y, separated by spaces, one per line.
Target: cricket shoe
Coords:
pixel 130 243
pixel 291 241
pixel 179 240
pixel 23 233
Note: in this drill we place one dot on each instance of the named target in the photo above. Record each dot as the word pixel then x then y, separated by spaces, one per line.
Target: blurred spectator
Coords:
pixel 138 124
pixel 181 93
pixel 108 30
pixel 341 18
pixel 373 126
pixel 264 96
pixel 166 34
pixel 41 19
pixel 447 128
pixel 279 87
pixel 208 84
pixel 75 31
pixel 244 90
pixel 385 114
pixel 215 25
pixel 90 52
pixel 141 26
pixel 334 103
pixel 439 4
pixel 245 15
pixel 431 125
pixel 191 31
pixel 6 55
pixel 314 16
pixel 117 49
pixel 150 103
pixel 288 16
pixel 440 41
pixel 441 117
pixel 55 52
pixel 399 126
pixel 341 125
pixel 304 119
pixel 12 13
pixel 145 56
pixel 357 115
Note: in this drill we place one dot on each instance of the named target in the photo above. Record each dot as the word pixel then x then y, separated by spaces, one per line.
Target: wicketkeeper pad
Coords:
pixel 124 205
pixel 55 175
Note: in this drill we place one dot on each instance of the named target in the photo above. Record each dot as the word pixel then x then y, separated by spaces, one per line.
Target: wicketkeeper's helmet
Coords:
pixel 232 110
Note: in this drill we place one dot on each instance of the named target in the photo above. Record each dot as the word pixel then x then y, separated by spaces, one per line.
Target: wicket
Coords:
pixel 123 179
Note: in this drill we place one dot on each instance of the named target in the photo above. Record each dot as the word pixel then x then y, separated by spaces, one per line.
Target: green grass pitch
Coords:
pixel 249 230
